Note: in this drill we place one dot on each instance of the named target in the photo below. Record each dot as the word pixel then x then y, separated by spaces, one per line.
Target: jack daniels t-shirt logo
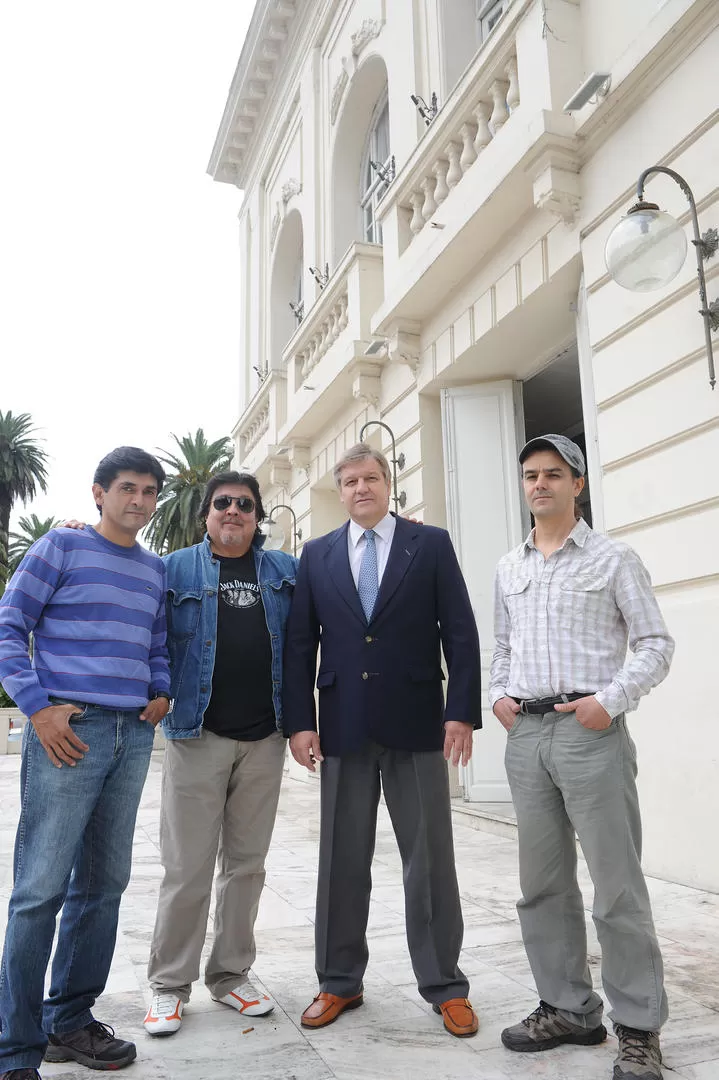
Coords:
pixel 240 594
pixel 241 704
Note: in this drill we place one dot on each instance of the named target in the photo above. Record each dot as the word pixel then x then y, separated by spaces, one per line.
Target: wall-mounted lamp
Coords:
pixel 261 375
pixel 427 112
pixel 399 498
pixel 275 534
pixel 298 310
pixel 319 277
pixel 647 249
pixel 592 89
pixel 387 172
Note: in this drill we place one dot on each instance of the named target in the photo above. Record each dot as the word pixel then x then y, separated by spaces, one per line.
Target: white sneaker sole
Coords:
pixel 255 1007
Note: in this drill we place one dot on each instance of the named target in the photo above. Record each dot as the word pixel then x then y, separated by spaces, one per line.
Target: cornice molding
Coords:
pixel 260 61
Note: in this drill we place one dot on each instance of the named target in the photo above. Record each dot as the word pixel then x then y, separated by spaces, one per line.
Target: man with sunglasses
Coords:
pixel 227 607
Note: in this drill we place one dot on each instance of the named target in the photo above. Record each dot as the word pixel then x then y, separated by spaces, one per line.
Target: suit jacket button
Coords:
pixel 365 675
pixel 369 639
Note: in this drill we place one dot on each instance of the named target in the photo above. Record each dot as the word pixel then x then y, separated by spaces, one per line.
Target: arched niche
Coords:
pixel 366 90
pixel 287 284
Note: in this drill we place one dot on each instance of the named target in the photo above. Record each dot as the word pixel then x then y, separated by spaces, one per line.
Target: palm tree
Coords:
pixel 176 523
pixel 32 528
pixel 23 469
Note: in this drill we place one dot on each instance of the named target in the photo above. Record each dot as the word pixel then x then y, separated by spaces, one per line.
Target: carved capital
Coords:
pixel 290 189
pixel 370 28
pixel 404 344
pixel 556 185
pixel 280 472
pixel 299 456
pixel 366 382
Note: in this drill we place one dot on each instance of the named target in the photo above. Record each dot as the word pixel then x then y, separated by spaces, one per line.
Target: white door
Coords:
pixel 483 431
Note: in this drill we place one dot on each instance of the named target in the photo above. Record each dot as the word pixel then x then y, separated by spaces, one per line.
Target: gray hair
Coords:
pixel 360 452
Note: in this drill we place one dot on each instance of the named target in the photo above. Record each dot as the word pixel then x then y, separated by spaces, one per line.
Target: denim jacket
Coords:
pixel 193 577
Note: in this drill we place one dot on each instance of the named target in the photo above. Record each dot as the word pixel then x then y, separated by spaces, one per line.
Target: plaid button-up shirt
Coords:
pixel 562 624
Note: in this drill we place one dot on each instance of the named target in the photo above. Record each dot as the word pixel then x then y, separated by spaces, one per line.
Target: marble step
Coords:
pixel 497 818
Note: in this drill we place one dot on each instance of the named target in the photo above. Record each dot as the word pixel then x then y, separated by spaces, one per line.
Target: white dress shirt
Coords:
pixel 562 624
pixel 356 543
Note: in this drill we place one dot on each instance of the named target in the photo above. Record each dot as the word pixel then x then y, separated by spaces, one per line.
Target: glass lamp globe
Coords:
pixel 274 535
pixel 646 250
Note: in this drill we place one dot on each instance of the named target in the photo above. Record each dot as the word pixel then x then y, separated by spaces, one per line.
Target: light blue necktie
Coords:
pixel 368 581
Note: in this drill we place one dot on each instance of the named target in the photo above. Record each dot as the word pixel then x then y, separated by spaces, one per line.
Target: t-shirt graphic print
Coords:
pixel 241 700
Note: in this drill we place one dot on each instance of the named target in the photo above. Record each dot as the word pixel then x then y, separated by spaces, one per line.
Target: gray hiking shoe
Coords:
pixel 545 1028
pixel 94 1046
pixel 639 1056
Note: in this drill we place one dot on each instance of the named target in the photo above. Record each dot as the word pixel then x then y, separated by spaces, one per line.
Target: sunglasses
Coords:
pixel 244 503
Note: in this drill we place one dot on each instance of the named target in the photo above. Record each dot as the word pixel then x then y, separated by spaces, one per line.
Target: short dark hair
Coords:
pixel 231 477
pixel 130 459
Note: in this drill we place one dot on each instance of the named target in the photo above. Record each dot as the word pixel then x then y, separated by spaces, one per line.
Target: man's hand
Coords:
pixel 458 741
pixel 506 710
pixel 72 523
pixel 61 743
pixel 155 710
pixel 590 713
pixel 305 747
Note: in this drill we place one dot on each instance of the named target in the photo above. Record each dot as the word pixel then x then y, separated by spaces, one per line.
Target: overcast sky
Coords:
pixel 119 263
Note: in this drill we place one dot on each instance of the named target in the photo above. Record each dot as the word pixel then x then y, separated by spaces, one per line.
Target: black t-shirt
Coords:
pixel 241 700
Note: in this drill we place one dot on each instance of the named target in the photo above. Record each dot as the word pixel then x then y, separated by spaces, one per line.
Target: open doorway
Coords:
pixel 553 403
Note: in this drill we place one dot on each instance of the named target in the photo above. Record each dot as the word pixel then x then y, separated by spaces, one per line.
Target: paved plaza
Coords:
pixel 394 1034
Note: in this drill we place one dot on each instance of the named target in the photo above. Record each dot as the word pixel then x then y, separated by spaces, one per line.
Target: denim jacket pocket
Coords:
pixel 183 612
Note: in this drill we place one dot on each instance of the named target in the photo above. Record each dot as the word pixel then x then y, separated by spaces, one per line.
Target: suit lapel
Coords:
pixel 338 567
pixel 401 555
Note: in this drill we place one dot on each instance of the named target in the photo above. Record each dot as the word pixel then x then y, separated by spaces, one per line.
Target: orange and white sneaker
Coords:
pixel 164 1016
pixel 248 1000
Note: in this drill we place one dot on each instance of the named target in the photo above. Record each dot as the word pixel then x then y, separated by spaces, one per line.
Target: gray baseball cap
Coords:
pixel 564 447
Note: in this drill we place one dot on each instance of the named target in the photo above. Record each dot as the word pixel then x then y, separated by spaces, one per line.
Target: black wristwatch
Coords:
pixel 161 693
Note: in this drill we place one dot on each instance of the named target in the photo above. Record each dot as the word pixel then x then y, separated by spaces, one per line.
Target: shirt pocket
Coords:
pixel 183 613
pixel 286 584
pixel 516 591
pixel 583 604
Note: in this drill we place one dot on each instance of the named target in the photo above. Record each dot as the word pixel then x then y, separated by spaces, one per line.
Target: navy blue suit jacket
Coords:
pixel 382 680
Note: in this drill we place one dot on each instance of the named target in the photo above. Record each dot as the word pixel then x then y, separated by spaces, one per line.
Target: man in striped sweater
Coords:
pixel 97 684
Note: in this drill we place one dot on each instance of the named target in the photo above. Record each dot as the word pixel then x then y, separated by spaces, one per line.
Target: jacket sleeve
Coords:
pixel 460 640
pixel 300 655
pixel 28 591
pixel 159 660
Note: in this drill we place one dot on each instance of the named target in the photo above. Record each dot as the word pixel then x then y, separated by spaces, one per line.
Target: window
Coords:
pixel 376 173
pixel 489 12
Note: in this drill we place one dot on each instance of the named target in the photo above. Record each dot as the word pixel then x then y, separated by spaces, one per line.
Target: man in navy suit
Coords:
pixel 382 595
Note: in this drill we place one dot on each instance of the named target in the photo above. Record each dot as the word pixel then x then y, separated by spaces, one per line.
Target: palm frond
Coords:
pixel 176 523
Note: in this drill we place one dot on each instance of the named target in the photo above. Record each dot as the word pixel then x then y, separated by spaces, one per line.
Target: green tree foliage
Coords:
pixel 23 470
pixel 176 523
pixel 31 529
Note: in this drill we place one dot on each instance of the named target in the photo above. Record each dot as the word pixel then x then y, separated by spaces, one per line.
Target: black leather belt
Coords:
pixel 546 704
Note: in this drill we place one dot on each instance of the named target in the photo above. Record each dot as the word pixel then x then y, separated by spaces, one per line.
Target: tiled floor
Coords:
pixel 395 1034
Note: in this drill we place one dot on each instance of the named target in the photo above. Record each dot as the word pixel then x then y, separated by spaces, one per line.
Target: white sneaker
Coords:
pixel 164 1015
pixel 248 1000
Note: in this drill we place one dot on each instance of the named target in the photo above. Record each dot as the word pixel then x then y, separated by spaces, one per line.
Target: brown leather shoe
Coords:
pixel 459 1017
pixel 326 1008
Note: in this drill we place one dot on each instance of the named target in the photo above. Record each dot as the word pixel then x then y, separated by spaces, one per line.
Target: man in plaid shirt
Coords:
pixel 568 601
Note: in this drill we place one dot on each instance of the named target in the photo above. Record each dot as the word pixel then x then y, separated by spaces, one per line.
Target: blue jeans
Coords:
pixel 73 850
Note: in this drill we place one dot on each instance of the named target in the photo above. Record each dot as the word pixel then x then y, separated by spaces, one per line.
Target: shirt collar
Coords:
pixel 578 535
pixel 384 529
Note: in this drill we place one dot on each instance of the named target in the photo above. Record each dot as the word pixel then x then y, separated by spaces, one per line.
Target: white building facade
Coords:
pixel 443 272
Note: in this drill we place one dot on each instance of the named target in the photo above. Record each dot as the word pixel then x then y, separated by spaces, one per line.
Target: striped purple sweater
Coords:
pixel 97 614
